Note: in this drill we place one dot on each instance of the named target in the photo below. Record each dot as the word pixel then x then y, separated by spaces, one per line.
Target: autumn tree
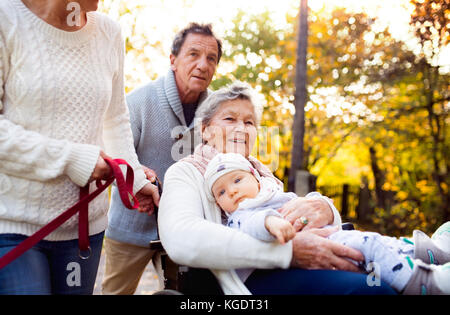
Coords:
pixel 432 27
pixel 364 95
pixel 300 97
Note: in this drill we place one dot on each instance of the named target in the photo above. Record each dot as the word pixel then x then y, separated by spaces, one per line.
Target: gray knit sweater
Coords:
pixel 157 121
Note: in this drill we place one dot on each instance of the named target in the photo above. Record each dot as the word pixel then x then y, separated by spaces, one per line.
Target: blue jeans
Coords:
pixel 50 267
pixel 312 282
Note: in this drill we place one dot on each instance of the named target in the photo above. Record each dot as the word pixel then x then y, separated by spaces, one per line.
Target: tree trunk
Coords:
pixel 436 130
pixel 378 175
pixel 364 210
pixel 298 128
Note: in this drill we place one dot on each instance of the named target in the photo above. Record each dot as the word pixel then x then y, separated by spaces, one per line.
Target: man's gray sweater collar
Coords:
pixel 171 95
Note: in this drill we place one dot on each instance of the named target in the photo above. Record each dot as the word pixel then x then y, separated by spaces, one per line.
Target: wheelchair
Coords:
pixel 179 279
pixel 184 280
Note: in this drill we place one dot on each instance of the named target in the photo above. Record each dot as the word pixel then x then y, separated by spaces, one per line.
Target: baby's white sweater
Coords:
pixel 61 101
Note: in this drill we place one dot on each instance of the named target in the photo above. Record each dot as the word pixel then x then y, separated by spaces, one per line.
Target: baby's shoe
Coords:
pixel 428 280
pixel 435 250
pixel 442 237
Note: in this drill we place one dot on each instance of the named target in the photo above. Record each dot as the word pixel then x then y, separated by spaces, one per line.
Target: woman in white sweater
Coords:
pixel 62 106
pixel 191 228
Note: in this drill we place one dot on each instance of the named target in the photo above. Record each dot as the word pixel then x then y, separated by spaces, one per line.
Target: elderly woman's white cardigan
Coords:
pixel 191 240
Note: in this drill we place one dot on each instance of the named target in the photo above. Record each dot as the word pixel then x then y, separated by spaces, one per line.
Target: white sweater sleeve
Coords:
pixel 190 239
pixel 30 155
pixel 252 222
pixel 118 137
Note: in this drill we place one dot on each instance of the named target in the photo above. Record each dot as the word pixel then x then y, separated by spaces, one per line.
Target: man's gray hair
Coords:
pixel 195 28
pixel 233 91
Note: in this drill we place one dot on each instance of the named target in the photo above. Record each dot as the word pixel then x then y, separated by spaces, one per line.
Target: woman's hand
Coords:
pixel 102 170
pixel 311 250
pixel 316 211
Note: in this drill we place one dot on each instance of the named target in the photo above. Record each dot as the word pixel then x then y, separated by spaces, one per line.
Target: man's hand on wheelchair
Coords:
pixel 148 196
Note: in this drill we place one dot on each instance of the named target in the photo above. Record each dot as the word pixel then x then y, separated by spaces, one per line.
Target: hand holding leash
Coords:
pixel 125 187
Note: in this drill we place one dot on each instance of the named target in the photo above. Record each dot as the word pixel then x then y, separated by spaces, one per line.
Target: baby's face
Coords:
pixel 233 187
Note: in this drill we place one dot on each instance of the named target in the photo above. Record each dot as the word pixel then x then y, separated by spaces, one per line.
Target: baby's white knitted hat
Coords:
pixel 222 164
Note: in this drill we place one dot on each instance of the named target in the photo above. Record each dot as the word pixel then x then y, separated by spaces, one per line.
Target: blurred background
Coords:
pixel 376 102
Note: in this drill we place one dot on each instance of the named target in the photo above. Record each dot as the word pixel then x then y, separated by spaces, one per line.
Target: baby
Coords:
pixel 240 188
pixel 250 203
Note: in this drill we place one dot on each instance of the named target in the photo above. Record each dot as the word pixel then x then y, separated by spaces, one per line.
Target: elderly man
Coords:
pixel 161 115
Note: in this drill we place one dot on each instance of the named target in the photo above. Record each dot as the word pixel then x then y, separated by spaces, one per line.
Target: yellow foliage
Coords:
pixel 402 195
pixel 423 187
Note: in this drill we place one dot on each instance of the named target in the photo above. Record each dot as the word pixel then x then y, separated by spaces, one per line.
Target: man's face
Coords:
pixel 195 64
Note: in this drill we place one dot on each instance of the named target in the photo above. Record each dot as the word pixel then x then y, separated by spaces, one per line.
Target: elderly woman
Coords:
pixel 192 232
pixel 62 103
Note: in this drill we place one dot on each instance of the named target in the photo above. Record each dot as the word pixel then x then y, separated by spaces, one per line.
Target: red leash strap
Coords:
pixel 125 188
pixel 83 225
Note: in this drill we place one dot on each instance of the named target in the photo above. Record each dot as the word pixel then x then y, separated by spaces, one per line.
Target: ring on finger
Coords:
pixel 304 220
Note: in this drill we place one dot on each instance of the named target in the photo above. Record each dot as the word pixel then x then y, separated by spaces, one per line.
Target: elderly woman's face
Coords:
pixel 233 128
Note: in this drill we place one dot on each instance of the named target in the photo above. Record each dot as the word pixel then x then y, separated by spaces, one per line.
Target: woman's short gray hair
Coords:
pixel 233 91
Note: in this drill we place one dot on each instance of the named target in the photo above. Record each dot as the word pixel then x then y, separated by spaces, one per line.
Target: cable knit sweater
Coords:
pixel 61 101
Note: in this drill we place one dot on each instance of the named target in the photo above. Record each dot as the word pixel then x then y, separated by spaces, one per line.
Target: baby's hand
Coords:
pixel 280 228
